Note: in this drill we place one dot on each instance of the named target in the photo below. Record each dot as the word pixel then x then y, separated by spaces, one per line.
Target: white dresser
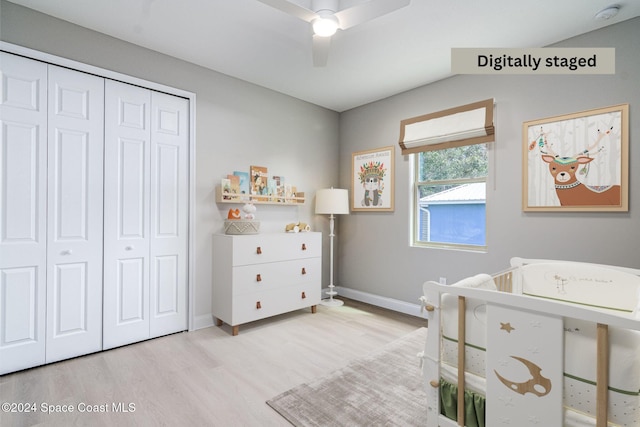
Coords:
pixel 262 275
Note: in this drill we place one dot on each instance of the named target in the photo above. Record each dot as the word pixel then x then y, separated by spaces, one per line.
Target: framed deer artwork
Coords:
pixel 577 162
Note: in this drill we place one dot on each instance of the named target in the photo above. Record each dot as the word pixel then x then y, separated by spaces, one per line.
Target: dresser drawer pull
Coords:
pixel 258 305
pixel 304 296
pixel 258 250
pixel 304 246
pixel 304 270
pixel 258 278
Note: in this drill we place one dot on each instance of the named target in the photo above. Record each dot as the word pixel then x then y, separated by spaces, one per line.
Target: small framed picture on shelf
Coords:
pixel 244 181
pixel 278 182
pixel 234 187
pixel 225 186
pixel 289 192
pixel 259 176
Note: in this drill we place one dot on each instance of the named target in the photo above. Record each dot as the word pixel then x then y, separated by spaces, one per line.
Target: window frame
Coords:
pixel 415 207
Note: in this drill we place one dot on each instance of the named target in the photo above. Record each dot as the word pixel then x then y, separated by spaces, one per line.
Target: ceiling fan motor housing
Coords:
pixel 330 6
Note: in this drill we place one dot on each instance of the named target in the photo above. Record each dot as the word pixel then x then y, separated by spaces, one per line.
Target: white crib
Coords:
pixel 547 343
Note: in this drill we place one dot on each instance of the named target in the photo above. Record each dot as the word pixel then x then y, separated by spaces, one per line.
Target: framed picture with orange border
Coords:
pixel 577 162
pixel 372 180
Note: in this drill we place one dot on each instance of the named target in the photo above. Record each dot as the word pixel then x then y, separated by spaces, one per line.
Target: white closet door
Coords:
pixel 126 214
pixel 168 221
pixel 23 159
pixel 74 229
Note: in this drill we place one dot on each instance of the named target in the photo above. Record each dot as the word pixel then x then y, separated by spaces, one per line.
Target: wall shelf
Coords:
pixel 259 200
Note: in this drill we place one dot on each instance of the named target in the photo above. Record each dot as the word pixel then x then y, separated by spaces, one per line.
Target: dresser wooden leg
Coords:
pixel 235 330
pixel 314 308
pixel 218 322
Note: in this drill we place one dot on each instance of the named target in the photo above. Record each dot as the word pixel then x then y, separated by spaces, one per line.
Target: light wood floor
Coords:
pixel 202 378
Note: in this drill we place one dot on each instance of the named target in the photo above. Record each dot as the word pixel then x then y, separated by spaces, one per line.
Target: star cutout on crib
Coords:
pixel 506 327
pixel 506 401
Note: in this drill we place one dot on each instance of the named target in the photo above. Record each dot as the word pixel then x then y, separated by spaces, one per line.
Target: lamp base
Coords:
pixel 330 302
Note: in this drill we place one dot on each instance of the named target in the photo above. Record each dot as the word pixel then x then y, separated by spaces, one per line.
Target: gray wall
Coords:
pixel 238 124
pixel 374 251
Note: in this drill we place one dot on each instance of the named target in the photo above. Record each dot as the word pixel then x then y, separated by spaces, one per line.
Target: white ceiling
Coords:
pixel 405 49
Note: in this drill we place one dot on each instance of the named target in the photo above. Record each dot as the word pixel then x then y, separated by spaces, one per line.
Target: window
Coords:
pixel 450 174
pixel 450 197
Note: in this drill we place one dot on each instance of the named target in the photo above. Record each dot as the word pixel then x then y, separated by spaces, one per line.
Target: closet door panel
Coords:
pixel 68 292
pixel 75 213
pixel 132 156
pixel 169 205
pixel 23 151
pixel 126 221
pixel 21 157
pixel 131 291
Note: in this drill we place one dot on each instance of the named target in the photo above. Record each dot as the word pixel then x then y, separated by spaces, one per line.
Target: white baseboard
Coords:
pixel 202 321
pixel 206 320
pixel 379 301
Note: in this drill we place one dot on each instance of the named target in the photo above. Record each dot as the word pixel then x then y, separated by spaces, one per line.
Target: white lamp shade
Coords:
pixel 332 201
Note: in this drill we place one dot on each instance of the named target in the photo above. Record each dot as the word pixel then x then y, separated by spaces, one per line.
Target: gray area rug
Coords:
pixel 382 389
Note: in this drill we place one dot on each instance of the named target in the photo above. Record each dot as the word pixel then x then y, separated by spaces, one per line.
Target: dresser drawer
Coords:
pixel 263 248
pixel 260 277
pixel 251 307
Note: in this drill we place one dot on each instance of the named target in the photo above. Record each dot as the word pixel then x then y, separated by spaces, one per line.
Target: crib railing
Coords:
pixel 505 282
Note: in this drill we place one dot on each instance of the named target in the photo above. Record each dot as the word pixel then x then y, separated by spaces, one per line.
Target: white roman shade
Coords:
pixel 455 127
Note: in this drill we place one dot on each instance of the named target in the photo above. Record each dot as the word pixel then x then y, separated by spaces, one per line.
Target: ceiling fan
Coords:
pixel 326 19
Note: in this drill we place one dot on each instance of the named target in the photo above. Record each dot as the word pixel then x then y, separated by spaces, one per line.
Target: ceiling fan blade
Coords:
pixel 320 50
pixel 364 12
pixel 292 9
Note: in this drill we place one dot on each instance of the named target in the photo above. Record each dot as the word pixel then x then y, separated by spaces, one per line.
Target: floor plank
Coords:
pixel 206 377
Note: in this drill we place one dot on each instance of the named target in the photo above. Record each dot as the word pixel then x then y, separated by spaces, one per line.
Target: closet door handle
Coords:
pixel 66 252
pixel 304 246
pixel 258 278
pixel 304 296
pixel 128 248
pixel 258 250
pixel 258 305
pixel 304 271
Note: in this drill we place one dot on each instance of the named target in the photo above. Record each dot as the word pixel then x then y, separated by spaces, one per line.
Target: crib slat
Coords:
pixel 602 375
pixel 504 281
pixel 462 323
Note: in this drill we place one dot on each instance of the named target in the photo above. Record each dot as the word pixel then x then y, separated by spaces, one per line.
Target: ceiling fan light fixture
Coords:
pixel 325 26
